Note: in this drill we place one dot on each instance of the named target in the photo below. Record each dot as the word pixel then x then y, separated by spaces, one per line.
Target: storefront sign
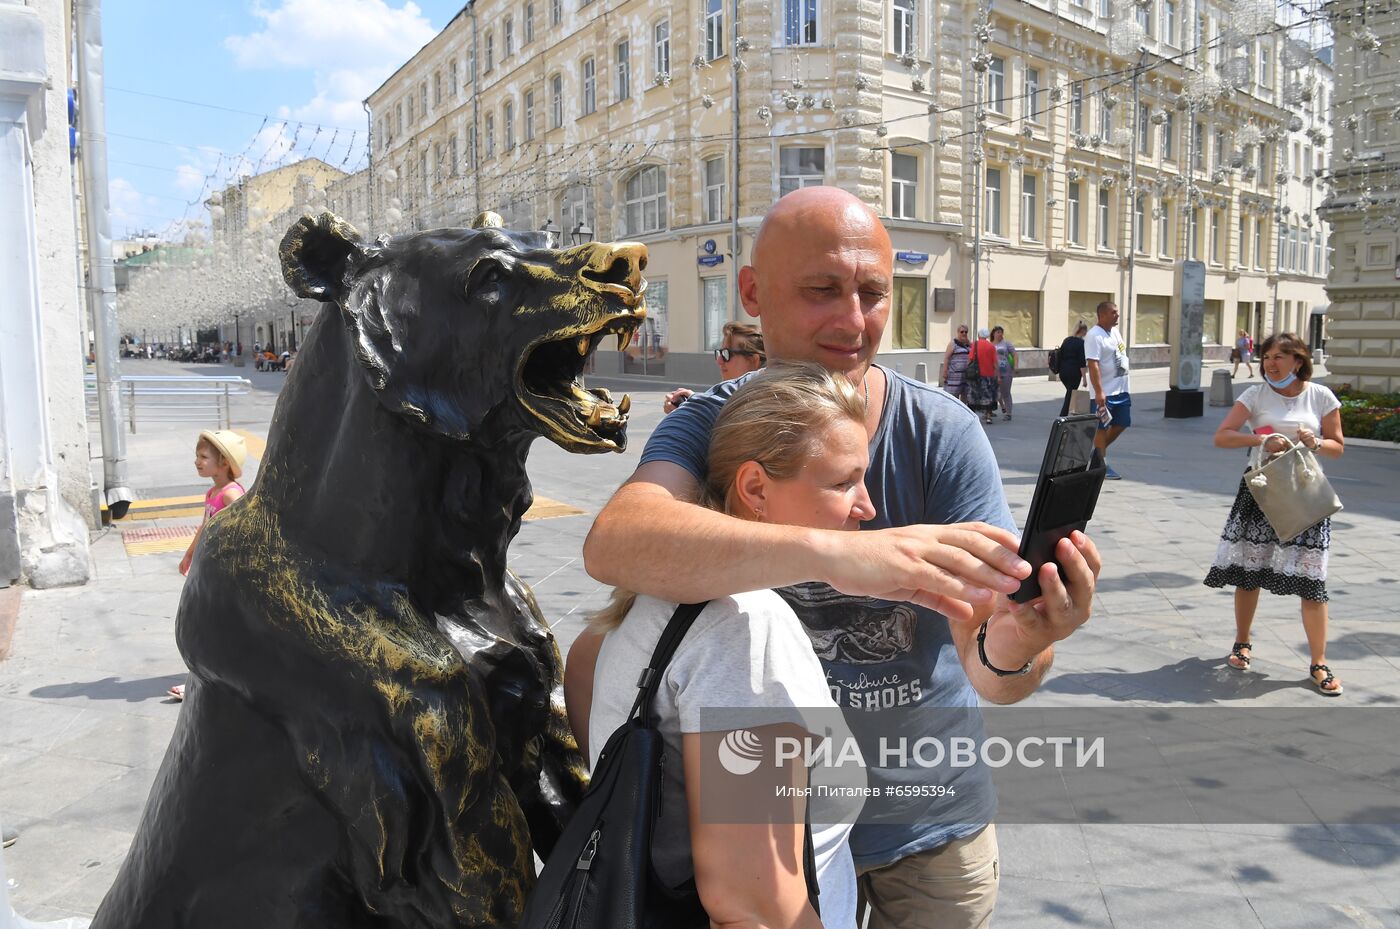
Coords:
pixel 710 261
pixel 913 258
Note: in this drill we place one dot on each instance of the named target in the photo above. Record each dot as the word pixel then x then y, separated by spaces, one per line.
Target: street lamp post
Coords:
pixel 582 233
pixel 237 343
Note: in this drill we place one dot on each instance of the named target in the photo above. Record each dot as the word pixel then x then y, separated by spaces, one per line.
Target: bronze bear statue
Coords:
pixel 374 733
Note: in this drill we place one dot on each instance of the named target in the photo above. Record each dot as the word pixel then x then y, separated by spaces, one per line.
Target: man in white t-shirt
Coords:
pixel 1106 356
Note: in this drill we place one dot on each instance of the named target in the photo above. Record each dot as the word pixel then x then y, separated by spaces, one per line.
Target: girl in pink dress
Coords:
pixel 219 456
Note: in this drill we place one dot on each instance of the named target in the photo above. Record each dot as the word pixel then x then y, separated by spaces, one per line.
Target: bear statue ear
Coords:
pixel 316 254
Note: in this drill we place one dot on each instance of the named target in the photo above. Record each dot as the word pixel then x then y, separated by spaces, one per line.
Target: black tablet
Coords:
pixel 1065 494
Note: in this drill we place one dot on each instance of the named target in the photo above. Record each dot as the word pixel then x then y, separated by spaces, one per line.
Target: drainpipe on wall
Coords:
pixel 476 105
pixel 101 277
pixel 369 121
pixel 734 159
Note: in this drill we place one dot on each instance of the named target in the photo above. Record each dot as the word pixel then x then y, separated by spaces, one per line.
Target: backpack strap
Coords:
pixel 650 679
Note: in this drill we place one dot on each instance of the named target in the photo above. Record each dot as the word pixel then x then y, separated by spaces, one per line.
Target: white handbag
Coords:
pixel 1290 489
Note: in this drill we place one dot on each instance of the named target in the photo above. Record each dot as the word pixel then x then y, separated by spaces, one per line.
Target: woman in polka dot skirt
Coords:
pixel 1251 557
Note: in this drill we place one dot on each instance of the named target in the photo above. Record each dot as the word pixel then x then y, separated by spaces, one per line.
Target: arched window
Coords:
pixel 644 201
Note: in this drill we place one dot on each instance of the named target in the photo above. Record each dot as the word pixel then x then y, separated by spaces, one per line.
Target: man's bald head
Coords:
pixel 811 213
pixel 820 279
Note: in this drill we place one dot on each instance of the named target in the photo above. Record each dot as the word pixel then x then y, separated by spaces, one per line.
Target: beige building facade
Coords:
pixel 1364 209
pixel 1012 138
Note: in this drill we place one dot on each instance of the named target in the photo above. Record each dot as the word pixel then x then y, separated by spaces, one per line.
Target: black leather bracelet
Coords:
pixel 982 655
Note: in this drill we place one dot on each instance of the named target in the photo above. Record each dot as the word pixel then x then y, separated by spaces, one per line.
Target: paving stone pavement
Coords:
pixel 84 720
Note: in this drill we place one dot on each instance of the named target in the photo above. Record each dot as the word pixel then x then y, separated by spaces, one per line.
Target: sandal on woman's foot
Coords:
pixel 1322 685
pixel 1237 658
pixel 176 693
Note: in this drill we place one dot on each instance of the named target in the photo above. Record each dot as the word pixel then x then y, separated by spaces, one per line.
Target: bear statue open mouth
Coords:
pixel 550 378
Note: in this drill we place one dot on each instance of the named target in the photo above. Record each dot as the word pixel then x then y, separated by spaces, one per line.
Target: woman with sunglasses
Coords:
pixel 955 358
pixel 741 352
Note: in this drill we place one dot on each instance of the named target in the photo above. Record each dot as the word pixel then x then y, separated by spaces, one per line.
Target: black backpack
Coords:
pixel 1054 361
pixel 599 875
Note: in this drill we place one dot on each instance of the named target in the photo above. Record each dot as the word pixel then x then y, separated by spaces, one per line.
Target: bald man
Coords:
pixel 894 611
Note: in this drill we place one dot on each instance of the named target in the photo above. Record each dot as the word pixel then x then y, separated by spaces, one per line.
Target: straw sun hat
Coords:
pixel 230 445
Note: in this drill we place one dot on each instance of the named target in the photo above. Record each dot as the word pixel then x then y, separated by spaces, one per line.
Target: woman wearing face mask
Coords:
pixel 741 351
pixel 955 358
pixel 1251 557
pixel 789 447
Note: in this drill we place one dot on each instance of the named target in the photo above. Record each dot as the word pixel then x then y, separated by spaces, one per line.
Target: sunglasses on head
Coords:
pixel 727 354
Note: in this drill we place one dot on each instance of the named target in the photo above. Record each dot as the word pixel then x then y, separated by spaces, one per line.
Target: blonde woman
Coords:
pixel 789 447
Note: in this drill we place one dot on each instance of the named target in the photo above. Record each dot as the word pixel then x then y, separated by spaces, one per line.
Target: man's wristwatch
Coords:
pixel 982 655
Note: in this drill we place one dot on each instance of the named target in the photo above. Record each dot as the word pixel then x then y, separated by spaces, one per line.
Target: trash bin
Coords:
pixel 1222 388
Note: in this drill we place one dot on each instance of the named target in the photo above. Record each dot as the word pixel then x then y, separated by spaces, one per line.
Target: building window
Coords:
pixel 575 206
pixel 1220 148
pixel 1215 245
pixel 1169 22
pixel 556 101
pixel 1193 235
pixel 1144 118
pixel 1144 18
pixel 991 202
pixel 556 12
pixel 910 312
pixel 529 116
pixel 714 297
pixel 1105 119
pixel 437 88
pixel 490 136
pixel 1105 220
pixel 408 105
pixel 529 23
pixel 471 147
pixel 996 85
pixel 1076 108
pixel 799 22
pixel 1258 243
pixel 1029 206
pixel 508 124
pixel 1266 73
pixel 661 43
pixel 714 190
pixel 644 201
pixel 508 37
pixel 1140 224
pixel 423 98
pixel 490 53
pixel 622 56
pixel 452 76
pixel 800 167
pixel 904 186
pixel 902 27
pixel 1169 138
pixel 714 29
pixel 471 65
pixel 590 87
pixel 1164 228
pixel 1074 215
pixel 1033 94
pixel 398 118
pixel 1243 258
pixel 452 155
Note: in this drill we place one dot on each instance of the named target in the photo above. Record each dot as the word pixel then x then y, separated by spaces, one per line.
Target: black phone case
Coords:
pixel 1061 504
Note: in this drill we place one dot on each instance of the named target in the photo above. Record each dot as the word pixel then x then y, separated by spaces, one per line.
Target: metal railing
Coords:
pixel 158 398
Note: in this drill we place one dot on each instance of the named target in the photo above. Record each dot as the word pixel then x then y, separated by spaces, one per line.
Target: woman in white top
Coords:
pixel 1251 556
pixel 789 447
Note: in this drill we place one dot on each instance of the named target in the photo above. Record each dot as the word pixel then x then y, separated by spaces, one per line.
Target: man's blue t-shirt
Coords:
pixel 930 462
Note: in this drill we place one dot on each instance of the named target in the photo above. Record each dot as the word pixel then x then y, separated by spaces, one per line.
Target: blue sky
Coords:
pixel 299 63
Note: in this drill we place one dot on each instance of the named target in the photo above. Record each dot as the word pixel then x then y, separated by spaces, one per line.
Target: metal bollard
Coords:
pixel 131 405
pixel 1222 388
pixel 921 372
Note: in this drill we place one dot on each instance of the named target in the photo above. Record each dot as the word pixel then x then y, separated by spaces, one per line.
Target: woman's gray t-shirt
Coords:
pixel 744 651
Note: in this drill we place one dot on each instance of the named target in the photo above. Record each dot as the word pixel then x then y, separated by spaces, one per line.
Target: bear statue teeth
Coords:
pixel 624 339
pixel 595 416
pixel 625 405
pixel 582 344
